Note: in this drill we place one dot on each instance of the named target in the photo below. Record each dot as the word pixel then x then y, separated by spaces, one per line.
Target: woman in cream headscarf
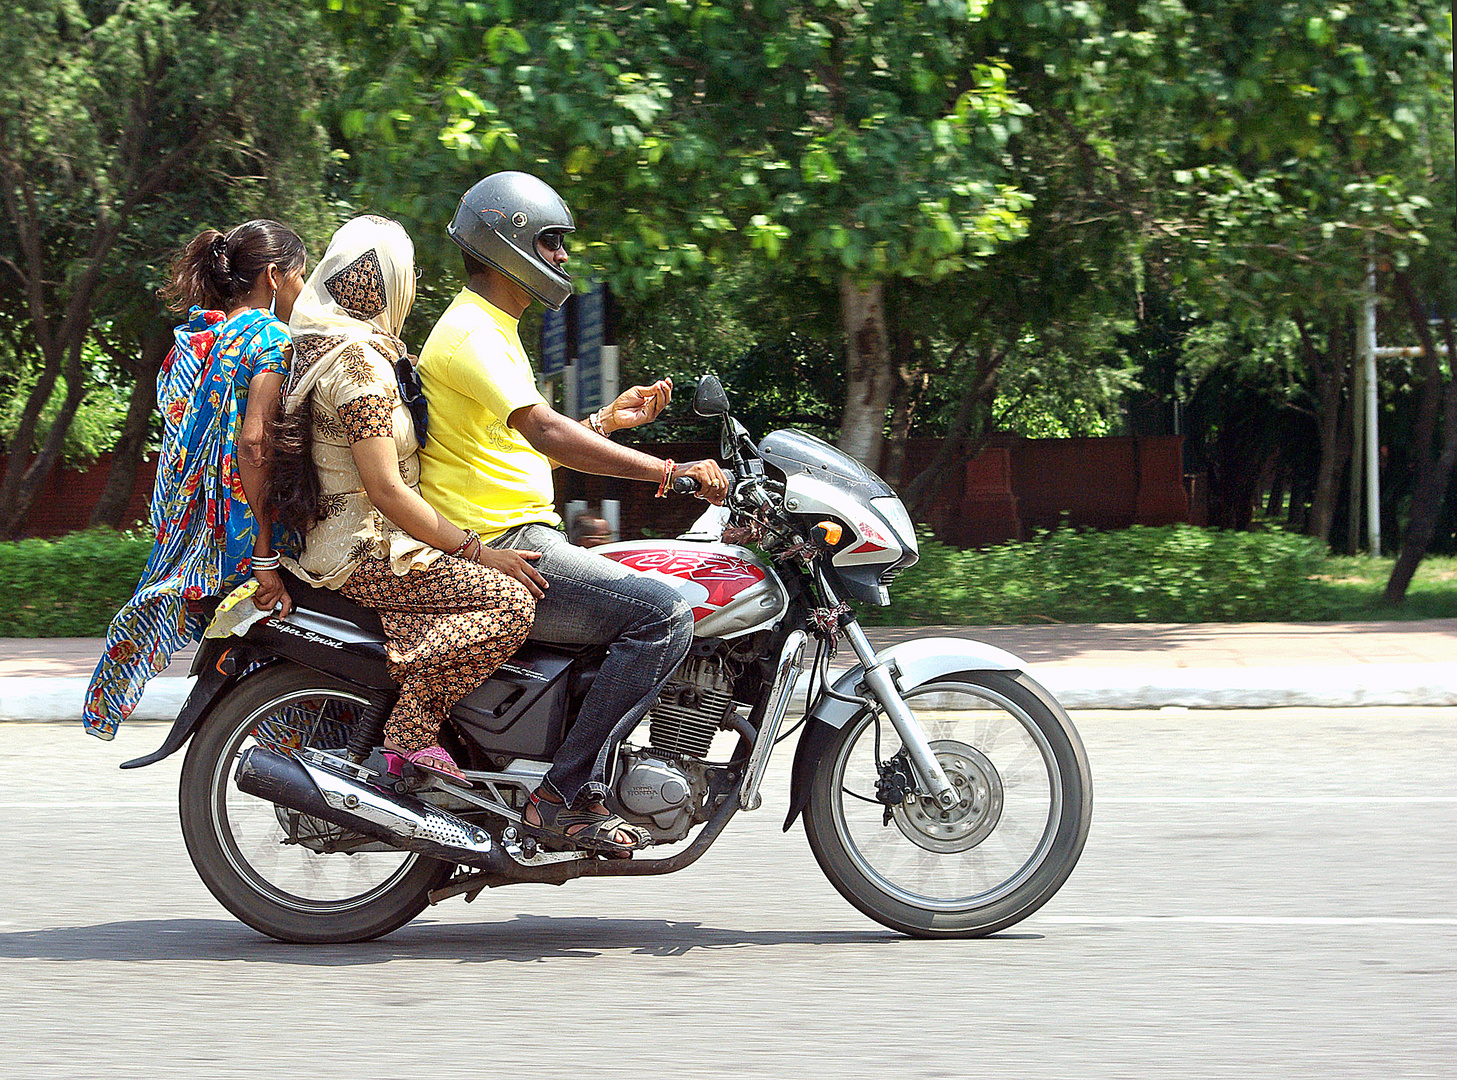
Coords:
pixel 346 474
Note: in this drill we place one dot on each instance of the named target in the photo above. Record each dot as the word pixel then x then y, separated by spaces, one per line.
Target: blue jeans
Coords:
pixel 593 600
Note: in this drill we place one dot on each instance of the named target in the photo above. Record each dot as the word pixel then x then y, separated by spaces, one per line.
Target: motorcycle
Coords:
pixel 944 792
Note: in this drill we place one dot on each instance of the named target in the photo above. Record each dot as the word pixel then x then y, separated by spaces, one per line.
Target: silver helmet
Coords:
pixel 498 222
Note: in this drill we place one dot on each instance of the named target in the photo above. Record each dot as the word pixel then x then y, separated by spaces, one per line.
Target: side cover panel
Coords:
pixel 521 710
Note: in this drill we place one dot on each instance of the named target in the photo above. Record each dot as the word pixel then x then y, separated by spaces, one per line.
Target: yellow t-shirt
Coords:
pixel 475 468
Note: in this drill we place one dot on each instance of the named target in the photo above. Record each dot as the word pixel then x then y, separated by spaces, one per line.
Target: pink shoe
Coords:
pixel 432 759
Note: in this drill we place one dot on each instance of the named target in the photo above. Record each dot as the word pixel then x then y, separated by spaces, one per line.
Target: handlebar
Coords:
pixel 684 485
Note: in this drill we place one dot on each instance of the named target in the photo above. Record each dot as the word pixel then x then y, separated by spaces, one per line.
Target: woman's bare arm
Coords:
pixel 252 464
pixel 379 468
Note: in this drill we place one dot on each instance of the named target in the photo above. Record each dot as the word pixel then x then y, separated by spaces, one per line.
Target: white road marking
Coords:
pixel 1235 798
pixel 171 804
pixel 1249 920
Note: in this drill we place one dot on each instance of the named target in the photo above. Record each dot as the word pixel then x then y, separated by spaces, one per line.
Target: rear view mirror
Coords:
pixel 709 399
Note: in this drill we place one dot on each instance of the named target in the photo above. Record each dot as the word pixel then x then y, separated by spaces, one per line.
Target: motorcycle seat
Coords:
pixel 331 602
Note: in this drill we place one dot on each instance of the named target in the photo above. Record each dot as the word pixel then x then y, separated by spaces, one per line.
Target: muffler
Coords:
pixel 401 820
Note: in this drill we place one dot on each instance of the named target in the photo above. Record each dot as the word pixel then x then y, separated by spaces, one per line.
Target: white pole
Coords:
pixel 1358 450
pixel 569 391
pixel 1373 440
pixel 610 377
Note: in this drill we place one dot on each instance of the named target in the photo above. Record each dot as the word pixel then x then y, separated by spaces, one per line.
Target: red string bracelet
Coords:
pixel 667 478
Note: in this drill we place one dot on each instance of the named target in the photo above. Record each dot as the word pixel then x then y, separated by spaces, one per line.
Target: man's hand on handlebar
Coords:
pixel 709 480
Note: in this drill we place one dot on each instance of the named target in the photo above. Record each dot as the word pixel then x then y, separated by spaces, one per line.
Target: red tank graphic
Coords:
pixel 729 591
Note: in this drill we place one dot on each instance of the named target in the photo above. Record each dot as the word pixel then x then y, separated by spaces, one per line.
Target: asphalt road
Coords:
pixel 1264 894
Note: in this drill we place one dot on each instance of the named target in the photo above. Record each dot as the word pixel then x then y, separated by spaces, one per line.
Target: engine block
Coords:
pixel 691 708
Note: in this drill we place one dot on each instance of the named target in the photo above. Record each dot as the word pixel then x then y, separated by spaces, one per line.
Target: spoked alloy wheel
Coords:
pixel 998 855
pixel 294 877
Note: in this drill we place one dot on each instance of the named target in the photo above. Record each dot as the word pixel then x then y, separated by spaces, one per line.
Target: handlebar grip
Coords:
pixel 683 485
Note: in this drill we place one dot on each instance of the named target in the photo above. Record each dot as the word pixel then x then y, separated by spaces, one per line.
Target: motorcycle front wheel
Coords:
pixel 288 875
pixel 1008 845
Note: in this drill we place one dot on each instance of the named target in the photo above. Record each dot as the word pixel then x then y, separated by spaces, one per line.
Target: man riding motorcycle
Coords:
pixel 486 464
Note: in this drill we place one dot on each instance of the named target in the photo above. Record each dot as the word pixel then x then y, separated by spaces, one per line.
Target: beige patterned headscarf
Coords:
pixel 361 292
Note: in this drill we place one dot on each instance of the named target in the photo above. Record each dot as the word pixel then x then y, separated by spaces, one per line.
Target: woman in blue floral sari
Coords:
pixel 218 389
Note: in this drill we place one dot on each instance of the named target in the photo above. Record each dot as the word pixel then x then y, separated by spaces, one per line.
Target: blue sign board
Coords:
pixel 591 314
pixel 553 340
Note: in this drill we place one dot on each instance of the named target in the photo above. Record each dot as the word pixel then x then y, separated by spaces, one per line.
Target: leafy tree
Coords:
pixel 1001 192
pixel 849 144
pixel 112 115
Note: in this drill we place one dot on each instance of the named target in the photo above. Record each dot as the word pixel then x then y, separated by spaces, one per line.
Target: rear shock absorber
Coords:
pixel 369 729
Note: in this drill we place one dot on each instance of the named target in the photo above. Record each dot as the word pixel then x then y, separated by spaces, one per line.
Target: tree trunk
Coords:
pixel 13 514
pixel 959 445
pixel 870 376
pixel 1330 383
pixel 126 456
pixel 1433 472
pixel 1330 371
pixel 23 443
pixel 911 385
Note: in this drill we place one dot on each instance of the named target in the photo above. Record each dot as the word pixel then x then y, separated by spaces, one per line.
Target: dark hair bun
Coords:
pixel 215 268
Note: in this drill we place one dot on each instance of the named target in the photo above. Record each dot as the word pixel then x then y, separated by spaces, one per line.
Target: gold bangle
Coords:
pixel 595 423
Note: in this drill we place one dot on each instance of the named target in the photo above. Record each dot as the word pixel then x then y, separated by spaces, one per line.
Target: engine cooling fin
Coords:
pixel 690 710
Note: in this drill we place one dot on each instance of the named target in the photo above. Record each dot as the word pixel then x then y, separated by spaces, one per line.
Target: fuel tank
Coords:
pixel 731 592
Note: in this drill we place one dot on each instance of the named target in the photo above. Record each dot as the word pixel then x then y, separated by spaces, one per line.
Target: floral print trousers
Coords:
pixel 448 625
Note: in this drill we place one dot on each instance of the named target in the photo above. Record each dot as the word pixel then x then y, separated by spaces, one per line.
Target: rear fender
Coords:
pixel 915 663
pixel 218 664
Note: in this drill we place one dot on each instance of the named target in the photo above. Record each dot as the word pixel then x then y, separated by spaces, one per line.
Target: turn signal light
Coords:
pixel 828 532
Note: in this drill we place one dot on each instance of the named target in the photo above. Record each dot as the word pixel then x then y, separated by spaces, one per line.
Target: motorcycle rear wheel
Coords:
pixel 287 875
pixel 994 859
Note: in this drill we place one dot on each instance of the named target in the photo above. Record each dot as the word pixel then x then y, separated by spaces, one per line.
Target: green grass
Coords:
pixel 69 587
pixel 1172 574
pixel 1351 586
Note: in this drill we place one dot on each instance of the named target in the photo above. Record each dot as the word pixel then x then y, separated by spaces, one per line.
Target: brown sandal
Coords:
pixel 597 833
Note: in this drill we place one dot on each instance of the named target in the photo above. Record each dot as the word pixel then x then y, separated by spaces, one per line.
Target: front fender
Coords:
pixel 917 662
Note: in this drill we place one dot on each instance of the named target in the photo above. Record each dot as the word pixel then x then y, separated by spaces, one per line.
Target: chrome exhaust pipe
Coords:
pixel 401 820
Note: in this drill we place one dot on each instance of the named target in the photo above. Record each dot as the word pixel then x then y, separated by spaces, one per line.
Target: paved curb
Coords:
pixel 58 699
pixel 1252 687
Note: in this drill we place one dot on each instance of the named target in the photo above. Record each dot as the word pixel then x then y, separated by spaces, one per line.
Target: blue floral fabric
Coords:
pixel 204 528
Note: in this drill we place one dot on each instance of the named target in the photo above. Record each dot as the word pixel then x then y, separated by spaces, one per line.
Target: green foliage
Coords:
pixel 92 432
pixel 762 335
pixel 73 586
pixel 69 587
pixel 829 137
pixel 1176 573
pixel 126 128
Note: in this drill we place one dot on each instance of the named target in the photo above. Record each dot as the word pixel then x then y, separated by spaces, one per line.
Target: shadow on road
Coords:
pixel 527 938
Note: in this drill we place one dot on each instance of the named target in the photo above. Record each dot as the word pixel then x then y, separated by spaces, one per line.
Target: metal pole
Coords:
pixel 571 392
pixel 610 373
pixel 1373 440
pixel 1358 448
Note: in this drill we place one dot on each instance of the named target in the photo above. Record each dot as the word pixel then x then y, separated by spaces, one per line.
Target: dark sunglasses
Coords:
pixel 552 241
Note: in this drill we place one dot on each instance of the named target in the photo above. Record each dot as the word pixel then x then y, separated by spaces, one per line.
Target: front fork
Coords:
pixel 880 683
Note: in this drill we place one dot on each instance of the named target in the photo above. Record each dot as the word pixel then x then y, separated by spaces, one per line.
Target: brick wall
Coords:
pixel 66 499
pixel 1011 488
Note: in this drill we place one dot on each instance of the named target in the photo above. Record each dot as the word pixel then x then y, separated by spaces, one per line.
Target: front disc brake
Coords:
pixel 978 808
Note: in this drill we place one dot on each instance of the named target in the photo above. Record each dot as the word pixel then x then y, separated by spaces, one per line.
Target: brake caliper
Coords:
pixel 895 783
